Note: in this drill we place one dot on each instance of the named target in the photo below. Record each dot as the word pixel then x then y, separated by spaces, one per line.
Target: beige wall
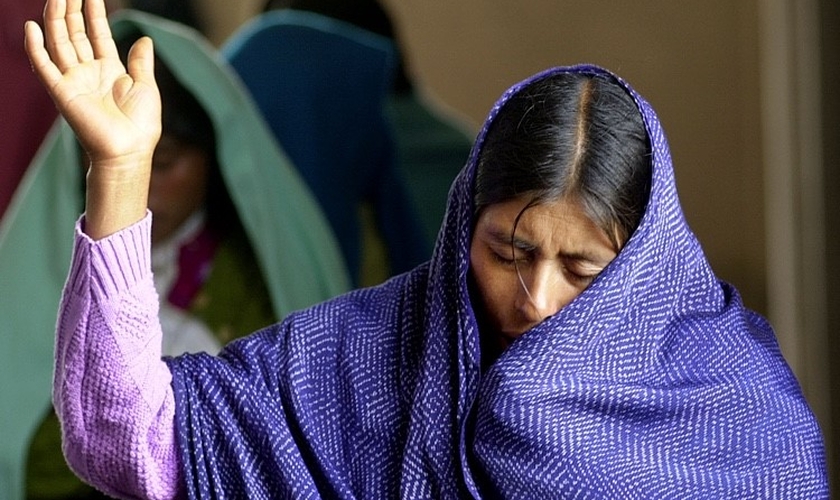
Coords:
pixel 220 18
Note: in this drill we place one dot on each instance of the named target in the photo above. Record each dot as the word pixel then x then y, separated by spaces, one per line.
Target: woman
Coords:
pixel 626 369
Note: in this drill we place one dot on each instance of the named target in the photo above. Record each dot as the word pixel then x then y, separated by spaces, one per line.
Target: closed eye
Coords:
pixel 506 258
pixel 581 271
pixel 580 279
pixel 512 252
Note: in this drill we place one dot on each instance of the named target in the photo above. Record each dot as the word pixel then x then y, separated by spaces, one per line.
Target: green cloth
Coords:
pixel 431 150
pixel 295 248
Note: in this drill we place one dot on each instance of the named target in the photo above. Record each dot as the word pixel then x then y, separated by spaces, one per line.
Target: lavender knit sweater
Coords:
pixel 111 389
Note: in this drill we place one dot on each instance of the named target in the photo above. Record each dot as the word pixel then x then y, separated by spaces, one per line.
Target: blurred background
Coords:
pixel 747 95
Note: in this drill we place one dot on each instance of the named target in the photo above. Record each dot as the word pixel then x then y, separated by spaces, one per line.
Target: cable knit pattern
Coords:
pixel 656 382
pixel 111 390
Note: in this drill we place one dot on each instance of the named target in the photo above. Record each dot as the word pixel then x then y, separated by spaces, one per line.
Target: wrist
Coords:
pixel 117 195
pixel 131 164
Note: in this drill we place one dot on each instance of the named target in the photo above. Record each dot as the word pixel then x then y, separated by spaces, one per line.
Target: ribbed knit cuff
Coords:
pixel 118 262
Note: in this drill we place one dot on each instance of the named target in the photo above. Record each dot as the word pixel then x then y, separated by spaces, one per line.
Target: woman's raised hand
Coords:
pixel 115 113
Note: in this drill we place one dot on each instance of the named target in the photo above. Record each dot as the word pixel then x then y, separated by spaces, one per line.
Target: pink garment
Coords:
pixel 25 107
pixel 111 389
pixel 195 259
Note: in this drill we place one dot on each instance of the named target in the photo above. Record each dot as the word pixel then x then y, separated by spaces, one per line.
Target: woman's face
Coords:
pixel 556 250
pixel 178 186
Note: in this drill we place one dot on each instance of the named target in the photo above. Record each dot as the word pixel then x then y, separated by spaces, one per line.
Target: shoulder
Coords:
pixel 372 327
pixel 378 306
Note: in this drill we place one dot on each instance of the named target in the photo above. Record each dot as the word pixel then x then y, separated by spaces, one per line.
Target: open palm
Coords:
pixel 115 113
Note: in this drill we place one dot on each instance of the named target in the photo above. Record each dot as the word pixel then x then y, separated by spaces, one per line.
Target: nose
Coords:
pixel 543 292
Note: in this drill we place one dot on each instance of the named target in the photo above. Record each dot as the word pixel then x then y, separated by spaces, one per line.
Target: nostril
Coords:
pixel 531 309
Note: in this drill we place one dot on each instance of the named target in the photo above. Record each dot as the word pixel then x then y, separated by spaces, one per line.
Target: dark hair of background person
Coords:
pixel 570 136
pixel 368 15
pixel 181 11
pixel 186 120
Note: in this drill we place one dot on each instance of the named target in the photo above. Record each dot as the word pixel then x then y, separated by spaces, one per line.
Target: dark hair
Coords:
pixel 181 11
pixel 185 119
pixel 570 135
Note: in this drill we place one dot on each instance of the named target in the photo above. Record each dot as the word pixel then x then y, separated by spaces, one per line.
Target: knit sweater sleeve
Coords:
pixel 111 390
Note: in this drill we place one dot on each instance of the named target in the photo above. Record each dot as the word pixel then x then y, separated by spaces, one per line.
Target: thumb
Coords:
pixel 141 61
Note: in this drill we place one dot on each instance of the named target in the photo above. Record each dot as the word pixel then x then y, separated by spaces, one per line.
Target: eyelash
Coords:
pixel 572 276
pixel 502 260
pixel 580 279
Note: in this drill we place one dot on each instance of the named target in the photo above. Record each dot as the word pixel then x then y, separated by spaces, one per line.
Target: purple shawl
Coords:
pixel 656 382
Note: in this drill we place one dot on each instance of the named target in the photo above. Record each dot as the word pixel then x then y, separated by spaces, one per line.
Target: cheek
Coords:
pixel 495 287
pixel 181 187
pixel 192 188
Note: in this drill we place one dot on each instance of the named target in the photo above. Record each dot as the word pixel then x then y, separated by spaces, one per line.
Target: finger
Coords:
pixel 57 40
pixel 42 65
pixel 99 31
pixel 141 69
pixel 141 61
pixel 76 30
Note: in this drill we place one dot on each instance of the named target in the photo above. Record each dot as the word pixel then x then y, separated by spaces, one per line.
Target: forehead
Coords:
pixel 556 227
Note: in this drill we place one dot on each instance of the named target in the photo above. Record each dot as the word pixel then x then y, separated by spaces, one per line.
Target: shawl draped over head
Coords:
pixel 655 382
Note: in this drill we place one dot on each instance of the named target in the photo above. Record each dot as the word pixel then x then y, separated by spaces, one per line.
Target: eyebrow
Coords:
pixel 586 257
pixel 502 237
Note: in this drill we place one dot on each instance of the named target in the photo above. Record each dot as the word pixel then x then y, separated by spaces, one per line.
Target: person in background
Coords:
pixel 321 85
pixel 432 143
pixel 210 284
pixel 567 339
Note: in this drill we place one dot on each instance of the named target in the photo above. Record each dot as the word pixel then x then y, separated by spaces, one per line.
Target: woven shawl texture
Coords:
pixel 656 382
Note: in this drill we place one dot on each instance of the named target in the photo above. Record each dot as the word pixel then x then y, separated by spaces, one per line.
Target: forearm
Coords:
pixel 111 390
pixel 117 195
